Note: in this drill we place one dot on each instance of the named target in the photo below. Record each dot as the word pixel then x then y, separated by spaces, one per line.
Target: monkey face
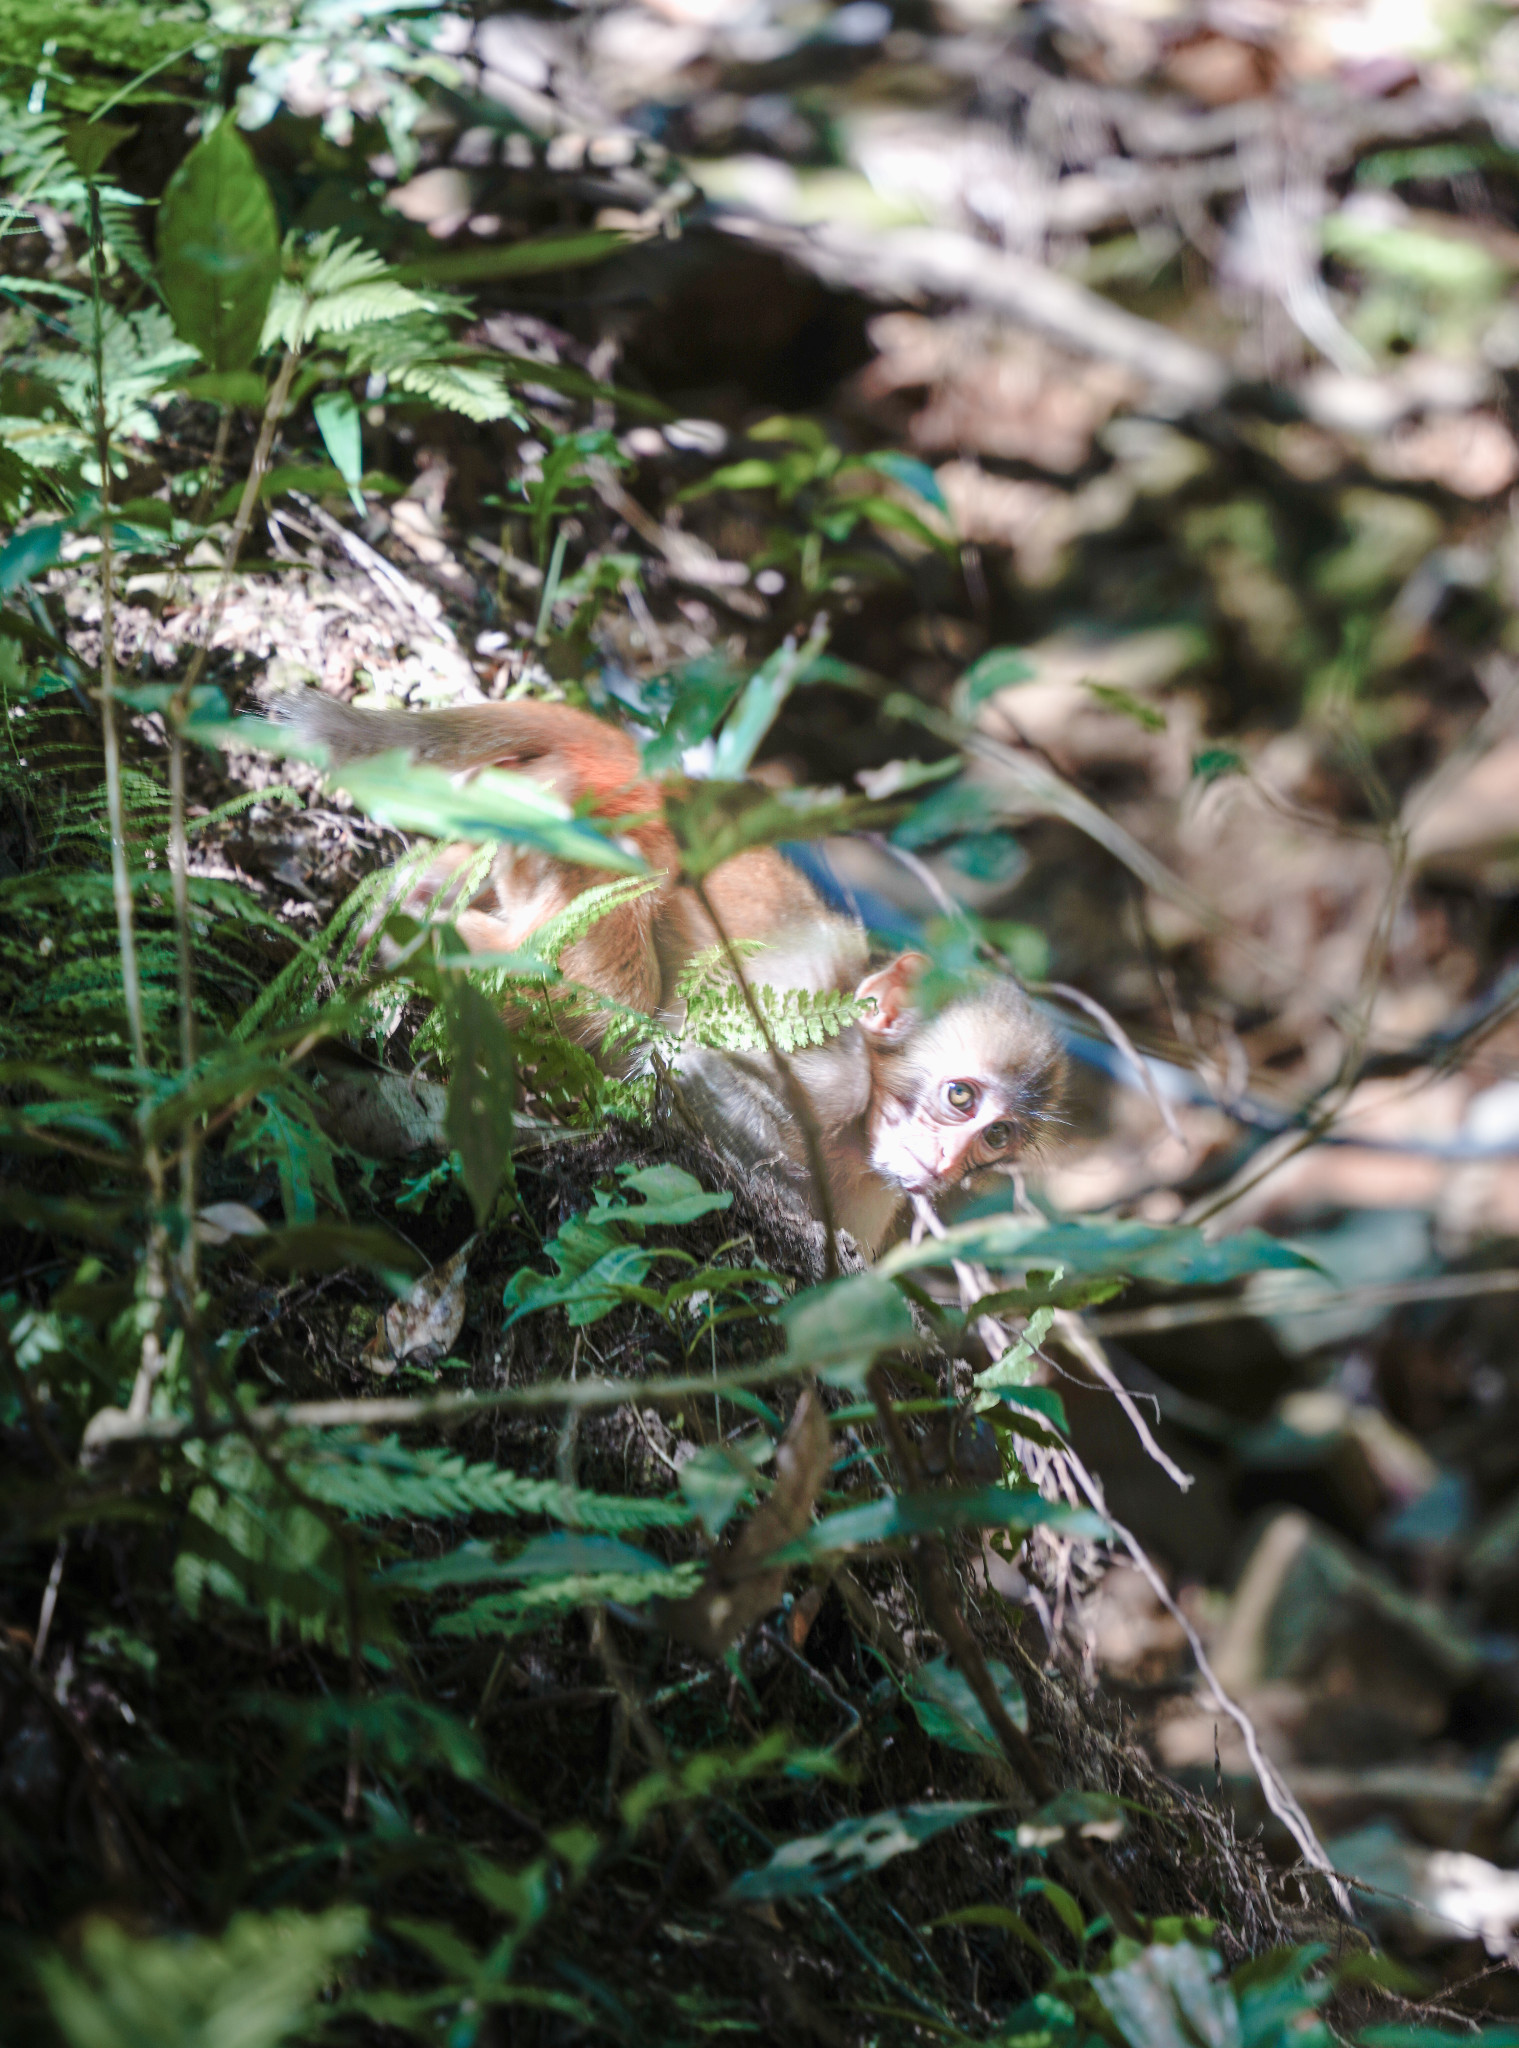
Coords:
pixel 968 1089
pixel 954 1126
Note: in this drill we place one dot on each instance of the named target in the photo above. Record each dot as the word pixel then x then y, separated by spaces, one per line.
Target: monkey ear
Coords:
pixel 888 988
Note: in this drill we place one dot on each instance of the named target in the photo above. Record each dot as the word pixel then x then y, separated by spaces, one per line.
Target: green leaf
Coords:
pixel 316 479
pixel 1170 1253
pixel 1000 668
pixel 578 1556
pixel 752 474
pixel 1437 2037
pixel 894 518
pixel 896 1517
pixel 948 1710
pixel 840 1328
pixel 755 712
pixel 1007 1922
pixel 477 1120
pixel 1169 1997
pixel 1127 705
pixel 337 419
pixel 1060 1903
pixel 514 259
pixel 588 1294
pixel 1041 1401
pixel 955 807
pixel 219 249
pixel 711 1772
pixel 339 1248
pixel 706 690
pixel 907 470
pixel 494 805
pixel 715 820
pixel 717 1482
pixel 815 1864
pixel 1015 1368
pixel 30 553
pixel 670 1194
pixel 254 1985
pixel 89 143
pixel 1214 763
pixel 228 387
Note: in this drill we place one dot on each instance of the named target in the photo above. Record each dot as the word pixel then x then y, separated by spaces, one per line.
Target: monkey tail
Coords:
pixel 347 733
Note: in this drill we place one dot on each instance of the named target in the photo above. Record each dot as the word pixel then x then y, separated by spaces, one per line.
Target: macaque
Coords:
pixel 902 1104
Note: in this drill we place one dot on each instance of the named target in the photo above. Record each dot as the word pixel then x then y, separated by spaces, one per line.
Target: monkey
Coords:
pixel 901 1102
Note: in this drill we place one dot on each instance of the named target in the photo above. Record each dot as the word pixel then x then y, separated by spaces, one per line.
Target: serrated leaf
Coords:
pixel 817 1864
pixel 219 249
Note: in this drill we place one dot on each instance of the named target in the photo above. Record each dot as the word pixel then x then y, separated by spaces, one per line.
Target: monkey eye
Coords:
pixel 997 1137
pixel 960 1096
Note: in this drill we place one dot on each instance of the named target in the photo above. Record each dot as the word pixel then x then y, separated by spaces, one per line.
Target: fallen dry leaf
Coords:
pixel 737 1591
pixel 425 1324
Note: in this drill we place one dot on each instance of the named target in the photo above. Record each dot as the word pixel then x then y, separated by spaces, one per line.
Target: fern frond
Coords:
pixel 347 286
pixel 722 1017
pixel 510 1614
pixel 389 1482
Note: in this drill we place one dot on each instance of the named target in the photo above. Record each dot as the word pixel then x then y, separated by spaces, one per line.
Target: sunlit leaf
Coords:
pixel 219 249
pixel 337 418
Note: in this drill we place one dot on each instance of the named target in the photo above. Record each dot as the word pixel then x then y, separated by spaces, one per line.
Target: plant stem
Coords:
pixel 121 873
pixel 179 848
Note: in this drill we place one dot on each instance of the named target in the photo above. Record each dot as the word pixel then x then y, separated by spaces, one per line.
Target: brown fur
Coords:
pixel 876 1090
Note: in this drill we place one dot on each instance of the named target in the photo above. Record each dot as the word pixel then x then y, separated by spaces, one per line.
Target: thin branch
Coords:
pixel 1094 1358
pixel 796 1096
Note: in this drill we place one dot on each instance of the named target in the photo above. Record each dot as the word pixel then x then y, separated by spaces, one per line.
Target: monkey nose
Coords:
pixel 953 1154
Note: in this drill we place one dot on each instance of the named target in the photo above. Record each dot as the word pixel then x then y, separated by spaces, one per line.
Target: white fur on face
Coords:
pixel 993 1042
